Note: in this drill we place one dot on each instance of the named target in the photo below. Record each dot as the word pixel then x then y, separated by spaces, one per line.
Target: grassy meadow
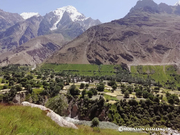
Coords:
pixel 19 120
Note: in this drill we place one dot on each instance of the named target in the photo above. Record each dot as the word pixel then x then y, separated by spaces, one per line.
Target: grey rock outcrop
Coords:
pixel 55 117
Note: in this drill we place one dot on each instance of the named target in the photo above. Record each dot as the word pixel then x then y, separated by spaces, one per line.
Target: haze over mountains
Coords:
pixel 148 34
pixel 19 33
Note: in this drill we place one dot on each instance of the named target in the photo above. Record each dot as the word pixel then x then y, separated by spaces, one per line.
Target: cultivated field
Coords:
pixel 82 69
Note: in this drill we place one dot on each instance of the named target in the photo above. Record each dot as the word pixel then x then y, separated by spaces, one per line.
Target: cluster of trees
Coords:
pixel 88 109
pixel 172 98
pixel 148 112
pixel 15 77
pixel 113 84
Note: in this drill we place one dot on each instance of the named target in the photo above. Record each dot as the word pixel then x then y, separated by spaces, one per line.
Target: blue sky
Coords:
pixel 104 10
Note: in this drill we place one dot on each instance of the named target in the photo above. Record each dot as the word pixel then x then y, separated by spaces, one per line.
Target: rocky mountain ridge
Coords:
pixel 148 34
pixel 8 19
pixel 19 30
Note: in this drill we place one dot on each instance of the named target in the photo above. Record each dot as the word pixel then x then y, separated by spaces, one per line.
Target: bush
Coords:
pixel 95 122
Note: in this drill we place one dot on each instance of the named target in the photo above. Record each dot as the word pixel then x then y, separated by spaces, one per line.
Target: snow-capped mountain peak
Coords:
pixel 27 15
pixel 177 3
pixel 73 14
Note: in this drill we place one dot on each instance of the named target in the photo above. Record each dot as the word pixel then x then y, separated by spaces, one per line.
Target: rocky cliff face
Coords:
pixel 148 34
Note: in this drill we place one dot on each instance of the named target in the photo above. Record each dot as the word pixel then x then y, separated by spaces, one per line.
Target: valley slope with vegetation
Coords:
pixel 124 98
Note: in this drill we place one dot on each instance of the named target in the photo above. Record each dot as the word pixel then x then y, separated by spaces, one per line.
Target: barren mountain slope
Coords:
pixel 19 33
pixel 8 19
pixel 34 51
pixel 149 34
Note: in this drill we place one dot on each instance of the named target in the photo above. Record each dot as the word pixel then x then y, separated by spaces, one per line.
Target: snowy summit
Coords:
pixel 177 3
pixel 73 14
pixel 27 15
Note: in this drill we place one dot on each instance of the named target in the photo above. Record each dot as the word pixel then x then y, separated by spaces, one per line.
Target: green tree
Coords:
pixel 39 76
pixel 87 85
pixel 3 81
pixel 29 77
pixel 10 95
pixel 145 94
pixel 100 87
pixel 28 87
pixel 126 94
pixel 139 93
pixel 82 86
pixel 18 88
pixel 114 87
pixel 11 83
pixel 94 91
pixel 52 75
pixel 111 83
pixel 58 104
pixel 83 93
pixel 73 90
pixel 90 94
pixel 5 87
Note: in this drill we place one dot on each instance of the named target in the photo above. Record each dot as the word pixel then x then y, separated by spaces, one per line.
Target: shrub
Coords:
pixel 95 122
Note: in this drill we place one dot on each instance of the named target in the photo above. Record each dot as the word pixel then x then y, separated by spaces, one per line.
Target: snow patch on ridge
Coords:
pixel 27 15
